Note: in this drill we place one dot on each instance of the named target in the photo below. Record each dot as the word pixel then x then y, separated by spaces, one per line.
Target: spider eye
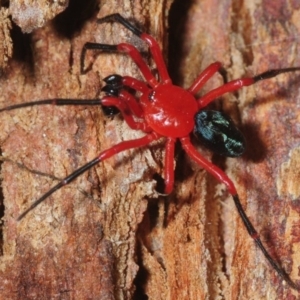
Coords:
pixel 218 133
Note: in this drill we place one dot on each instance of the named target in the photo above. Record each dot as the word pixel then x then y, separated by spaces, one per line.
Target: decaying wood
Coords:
pixel 5 39
pixel 33 14
pixel 248 39
pixel 109 235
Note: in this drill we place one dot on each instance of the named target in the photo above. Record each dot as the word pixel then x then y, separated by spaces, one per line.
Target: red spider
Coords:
pixel 167 111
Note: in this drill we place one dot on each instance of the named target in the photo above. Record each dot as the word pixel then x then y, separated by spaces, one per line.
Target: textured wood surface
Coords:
pixel 109 235
pixel 248 39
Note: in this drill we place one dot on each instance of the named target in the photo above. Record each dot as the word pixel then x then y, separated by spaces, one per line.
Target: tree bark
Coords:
pixel 109 235
pixel 248 38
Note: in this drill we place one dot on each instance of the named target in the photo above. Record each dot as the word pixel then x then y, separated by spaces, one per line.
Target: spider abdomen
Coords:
pixel 170 111
pixel 218 133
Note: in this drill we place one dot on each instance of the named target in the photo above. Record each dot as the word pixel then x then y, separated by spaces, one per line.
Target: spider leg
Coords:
pixel 126 107
pixel 116 86
pixel 169 165
pixel 117 82
pixel 137 85
pixel 126 113
pixel 204 76
pixel 136 143
pixel 122 47
pixel 223 178
pixel 57 102
pixel 207 165
pixel 119 19
pixel 153 45
pixel 135 107
pixel 239 83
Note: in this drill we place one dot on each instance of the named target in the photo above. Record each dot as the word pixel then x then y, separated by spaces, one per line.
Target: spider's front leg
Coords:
pixel 117 86
pixel 126 111
pixel 119 48
pixel 131 51
pixel 152 43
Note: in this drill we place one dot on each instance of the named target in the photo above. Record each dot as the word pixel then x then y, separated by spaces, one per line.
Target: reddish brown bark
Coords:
pixel 5 39
pixel 33 14
pixel 249 39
